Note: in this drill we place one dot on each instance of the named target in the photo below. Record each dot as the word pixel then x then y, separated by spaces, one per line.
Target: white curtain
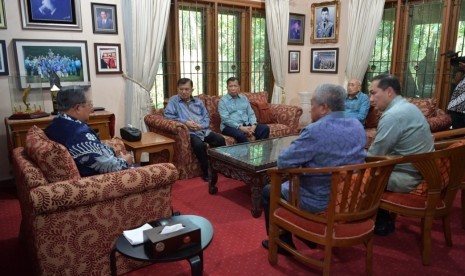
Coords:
pixel 145 23
pixel 277 25
pixel 364 19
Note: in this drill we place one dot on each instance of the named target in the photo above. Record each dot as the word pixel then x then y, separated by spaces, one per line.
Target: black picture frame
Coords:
pixel 294 62
pixel 324 60
pixel 296 29
pixel 60 15
pixel 75 50
pixel 3 59
pixel 110 26
pixel 107 58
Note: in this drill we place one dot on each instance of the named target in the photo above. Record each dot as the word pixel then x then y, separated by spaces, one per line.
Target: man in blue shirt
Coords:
pixel 357 102
pixel 331 140
pixel 190 111
pixel 69 129
pixel 237 117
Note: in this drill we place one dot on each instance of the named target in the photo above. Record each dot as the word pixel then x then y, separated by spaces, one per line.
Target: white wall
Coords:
pixel 106 90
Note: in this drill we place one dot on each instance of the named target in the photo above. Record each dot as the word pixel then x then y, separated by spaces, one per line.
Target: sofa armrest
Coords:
pixel 439 122
pixel 89 190
pixel 288 115
pixel 117 145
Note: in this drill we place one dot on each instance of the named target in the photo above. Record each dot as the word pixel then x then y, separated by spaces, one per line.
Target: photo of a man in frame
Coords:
pixel 51 10
pixel 294 32
pixel 325 23
pixel 104 19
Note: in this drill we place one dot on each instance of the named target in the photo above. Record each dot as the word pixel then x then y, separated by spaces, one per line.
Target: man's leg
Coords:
pixel 458 119
pixel 262 132
pixel 200 152
pixel 236 133
pixel 215 140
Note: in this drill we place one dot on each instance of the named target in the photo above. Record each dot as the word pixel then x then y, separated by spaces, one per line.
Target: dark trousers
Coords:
pixel 261 132
pixel 200 148
pixel 265 197
pixel 458 119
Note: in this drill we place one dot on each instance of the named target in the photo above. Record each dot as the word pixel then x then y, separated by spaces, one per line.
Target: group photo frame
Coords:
pixel 324 60
pixel 104 18
pixel 296 29
pixel 67 58
pixel 51 15
pixel 107 58
pixel 2 15
pixel 3 59
pixel 294 62
pixel 325 22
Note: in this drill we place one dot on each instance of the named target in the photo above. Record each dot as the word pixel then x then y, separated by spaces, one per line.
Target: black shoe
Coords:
pixel 205 178
pixel 281 251
pixel 384 227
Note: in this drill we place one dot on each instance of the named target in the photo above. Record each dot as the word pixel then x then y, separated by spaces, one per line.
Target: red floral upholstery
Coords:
pixel 70 226
pixel 437 119
pixel 285 121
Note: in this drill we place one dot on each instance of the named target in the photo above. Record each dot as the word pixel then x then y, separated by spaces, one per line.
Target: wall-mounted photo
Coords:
pixel 107 58
pixel 51 14
pixel 296 29
pixel 2 15
pixel 104 20
pixel 294 61
pixel 325 22
pixel 3 60
pixel 67 58
pixel 324 60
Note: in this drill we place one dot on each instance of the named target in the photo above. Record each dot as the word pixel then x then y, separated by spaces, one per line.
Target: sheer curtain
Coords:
pixel 145 23
pixel 277 25
pixel 364 19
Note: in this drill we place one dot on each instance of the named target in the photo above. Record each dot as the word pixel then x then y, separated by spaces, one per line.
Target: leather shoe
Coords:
pixel 384 227
pixel 205 178
pixel 281 251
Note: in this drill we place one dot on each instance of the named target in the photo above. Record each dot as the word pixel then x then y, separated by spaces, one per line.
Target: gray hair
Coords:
pixel 332 95
pixel 70 96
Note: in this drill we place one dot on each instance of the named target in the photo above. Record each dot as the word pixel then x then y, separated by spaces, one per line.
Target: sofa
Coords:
pixel 283 121
pixel 70 223
pixel 437 118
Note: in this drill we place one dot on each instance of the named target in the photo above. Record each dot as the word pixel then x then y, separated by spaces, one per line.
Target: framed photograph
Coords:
pixel 325 22
pixel 51 14
pixel 68 58
pixel 296 29
pixel 104 19
pixel 324 60
pixel 294 61
pixel 2 15
pixel 3 60
pixel 107 58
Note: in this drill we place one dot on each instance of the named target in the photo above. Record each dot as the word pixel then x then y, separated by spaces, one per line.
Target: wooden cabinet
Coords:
pixel 101 122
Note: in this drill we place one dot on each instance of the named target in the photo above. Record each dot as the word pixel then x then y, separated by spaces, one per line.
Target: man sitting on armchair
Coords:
pixel 69 128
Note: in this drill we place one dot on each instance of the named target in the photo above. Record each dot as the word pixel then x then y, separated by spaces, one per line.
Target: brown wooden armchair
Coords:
pixel 442 172
pixel 355 195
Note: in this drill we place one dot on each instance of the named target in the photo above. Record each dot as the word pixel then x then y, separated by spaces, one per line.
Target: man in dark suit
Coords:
pixel 103 22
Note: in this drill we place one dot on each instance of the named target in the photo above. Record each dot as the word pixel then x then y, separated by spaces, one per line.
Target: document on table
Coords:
pixel 136 236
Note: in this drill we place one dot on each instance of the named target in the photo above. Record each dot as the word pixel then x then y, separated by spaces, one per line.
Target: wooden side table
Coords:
pixel 151 142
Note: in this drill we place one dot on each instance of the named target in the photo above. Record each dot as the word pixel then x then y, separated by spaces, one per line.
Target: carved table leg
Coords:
pixel 213 178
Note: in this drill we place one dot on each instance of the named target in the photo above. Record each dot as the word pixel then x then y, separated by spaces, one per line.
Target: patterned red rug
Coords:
pixel 236 246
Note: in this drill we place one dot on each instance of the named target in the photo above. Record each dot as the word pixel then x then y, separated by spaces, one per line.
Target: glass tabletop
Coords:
pixel 257 155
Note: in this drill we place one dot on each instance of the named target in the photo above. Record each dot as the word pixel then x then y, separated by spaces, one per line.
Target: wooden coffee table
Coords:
pixel 151 142
pixel 247 162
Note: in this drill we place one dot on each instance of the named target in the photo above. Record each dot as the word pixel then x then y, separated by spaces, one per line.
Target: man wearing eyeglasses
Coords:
pixel 69 128
pixel 190 111
pixel 357 102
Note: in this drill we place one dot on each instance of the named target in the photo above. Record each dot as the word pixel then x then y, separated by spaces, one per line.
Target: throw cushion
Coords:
pixel 262 112
pixel 52 158
pixel 427 106
pixel 372 118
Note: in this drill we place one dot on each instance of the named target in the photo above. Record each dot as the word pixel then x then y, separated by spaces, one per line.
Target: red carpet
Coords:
pixel 236 246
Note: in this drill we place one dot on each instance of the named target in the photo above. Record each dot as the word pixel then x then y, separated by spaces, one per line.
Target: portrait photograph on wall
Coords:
pixel 324 60
pixel 107 58
pixel 3 59
pixel 296 29
pixel 51 14
pixel 325 22
pixel 294 62
pixel 104 20
pixel 2 15
pixel 67 58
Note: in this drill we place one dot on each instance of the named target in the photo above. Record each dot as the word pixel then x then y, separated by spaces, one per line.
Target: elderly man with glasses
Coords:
pixel 69 128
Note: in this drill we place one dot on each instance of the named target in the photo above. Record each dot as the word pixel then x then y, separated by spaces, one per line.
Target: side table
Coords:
pixel 151 142
pixel 194 254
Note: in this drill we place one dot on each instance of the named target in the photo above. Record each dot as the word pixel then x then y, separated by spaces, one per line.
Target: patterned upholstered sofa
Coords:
pixel 284 121
pixel 437 118
pixel 69 224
